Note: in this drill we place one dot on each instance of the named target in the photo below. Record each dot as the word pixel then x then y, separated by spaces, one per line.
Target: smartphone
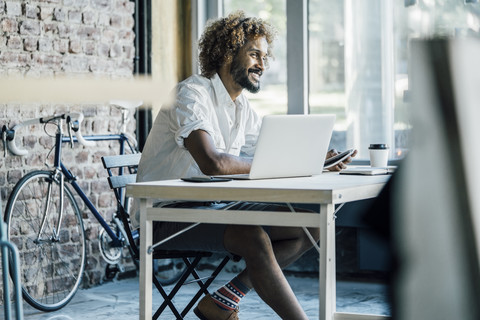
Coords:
pixel 205 179
pixel 333 161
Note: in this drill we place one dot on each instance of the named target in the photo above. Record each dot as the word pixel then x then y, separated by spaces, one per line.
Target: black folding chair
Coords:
pixel 122 171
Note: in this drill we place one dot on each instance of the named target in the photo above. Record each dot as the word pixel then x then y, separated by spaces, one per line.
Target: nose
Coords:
pixel 261 64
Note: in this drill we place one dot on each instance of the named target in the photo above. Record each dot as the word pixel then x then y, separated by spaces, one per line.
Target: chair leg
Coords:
pixel 191 265
pixel 167 301
pixel 168 298
pixel 204 286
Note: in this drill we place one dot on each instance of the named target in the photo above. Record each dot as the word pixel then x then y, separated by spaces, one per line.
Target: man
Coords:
pixel 208 128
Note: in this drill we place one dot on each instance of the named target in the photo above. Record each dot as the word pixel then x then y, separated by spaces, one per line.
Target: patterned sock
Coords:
pixel 228 297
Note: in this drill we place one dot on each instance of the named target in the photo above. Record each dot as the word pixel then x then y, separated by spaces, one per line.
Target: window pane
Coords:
pixel 425 19
pixel 359 63
pixel 351 70
pixel 272 98
pixel 326 64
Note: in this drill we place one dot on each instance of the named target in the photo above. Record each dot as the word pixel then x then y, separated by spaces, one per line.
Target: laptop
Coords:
pixel 290 146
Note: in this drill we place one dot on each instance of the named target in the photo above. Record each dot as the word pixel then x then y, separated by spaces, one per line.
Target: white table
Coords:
pixel 327 190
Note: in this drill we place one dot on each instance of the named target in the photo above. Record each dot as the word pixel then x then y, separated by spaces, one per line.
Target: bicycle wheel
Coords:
pixel 51 267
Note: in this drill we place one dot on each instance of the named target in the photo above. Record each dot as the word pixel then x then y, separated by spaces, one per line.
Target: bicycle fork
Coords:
pixel 57 176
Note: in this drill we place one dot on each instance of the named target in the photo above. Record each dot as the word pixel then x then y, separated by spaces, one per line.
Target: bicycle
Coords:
pixel 45 222
pixel 112 237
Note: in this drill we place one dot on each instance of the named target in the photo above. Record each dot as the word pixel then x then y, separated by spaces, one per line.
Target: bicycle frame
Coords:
pixel 59 139
pixel 121 138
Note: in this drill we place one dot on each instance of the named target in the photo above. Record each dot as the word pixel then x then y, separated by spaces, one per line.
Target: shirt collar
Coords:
pixel 222 94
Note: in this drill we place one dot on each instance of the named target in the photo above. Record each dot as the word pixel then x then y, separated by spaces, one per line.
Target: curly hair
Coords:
pixel 222 39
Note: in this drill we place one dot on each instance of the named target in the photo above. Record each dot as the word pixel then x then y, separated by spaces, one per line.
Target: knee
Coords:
pixel 248 241
pixel 257 239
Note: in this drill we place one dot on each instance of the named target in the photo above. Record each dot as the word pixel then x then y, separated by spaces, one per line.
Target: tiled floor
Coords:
pixel 119 300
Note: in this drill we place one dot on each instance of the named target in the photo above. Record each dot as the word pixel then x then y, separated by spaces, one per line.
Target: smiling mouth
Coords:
pixel 255 73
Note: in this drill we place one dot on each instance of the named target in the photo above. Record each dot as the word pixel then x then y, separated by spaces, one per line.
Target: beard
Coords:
pixel 240 76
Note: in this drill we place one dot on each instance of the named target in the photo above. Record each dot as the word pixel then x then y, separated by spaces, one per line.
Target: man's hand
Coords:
pixel 340 165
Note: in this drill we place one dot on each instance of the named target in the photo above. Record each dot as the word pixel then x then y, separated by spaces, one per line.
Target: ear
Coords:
pixel 227 60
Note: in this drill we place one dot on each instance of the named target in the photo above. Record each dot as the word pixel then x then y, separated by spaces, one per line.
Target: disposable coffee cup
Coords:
pixel 378 155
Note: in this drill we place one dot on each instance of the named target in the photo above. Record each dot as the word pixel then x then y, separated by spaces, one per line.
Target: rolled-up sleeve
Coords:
pixel 191 113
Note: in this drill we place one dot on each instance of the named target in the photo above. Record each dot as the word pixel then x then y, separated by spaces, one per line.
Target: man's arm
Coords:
pixel 202 148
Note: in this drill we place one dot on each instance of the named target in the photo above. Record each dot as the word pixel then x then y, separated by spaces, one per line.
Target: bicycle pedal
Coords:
pixel 111 271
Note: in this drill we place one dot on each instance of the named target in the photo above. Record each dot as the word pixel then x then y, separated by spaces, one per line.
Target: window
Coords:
pixel 358 61
pixel 351 70
pixel 424 19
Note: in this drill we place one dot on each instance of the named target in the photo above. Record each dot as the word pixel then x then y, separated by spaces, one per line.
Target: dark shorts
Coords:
pixel 204 237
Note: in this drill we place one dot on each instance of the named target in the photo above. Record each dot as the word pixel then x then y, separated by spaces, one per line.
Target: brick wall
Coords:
pixel 66 37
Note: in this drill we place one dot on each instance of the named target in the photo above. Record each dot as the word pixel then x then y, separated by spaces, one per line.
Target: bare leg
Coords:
pixel 265 257
pixel 290 243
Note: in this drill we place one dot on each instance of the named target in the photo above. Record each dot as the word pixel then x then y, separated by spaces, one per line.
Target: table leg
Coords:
pixel 146 235
pixel 327 294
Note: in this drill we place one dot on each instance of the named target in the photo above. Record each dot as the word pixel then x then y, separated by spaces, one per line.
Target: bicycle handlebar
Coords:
pixel 71 117
pixel 78 134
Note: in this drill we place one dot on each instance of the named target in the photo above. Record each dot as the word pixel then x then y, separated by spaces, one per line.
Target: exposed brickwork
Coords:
pixel 72 34
pixel 65 37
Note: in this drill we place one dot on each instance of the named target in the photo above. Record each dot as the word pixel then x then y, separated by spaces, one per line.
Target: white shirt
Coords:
pixel 200 103
pixel 205 104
